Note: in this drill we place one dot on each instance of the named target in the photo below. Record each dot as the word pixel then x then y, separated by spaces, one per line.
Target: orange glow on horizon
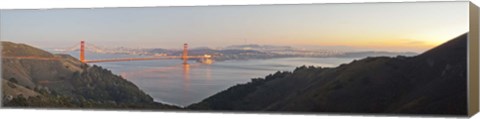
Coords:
pixel 417 43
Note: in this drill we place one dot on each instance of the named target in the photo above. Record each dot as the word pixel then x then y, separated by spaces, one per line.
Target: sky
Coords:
pixel 369 26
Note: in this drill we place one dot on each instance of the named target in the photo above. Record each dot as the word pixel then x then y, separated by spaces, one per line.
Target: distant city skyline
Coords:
pixel 369 26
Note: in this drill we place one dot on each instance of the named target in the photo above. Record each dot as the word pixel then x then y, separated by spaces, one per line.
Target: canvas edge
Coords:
pixel 1 72
pixel 246 4
pixel 473 60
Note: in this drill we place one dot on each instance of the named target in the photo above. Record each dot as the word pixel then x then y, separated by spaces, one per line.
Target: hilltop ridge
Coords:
pixel 433 82
pixel 36 78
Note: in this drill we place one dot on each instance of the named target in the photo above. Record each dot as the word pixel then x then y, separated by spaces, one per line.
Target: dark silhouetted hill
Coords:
pixel 434 82
pixel 47 80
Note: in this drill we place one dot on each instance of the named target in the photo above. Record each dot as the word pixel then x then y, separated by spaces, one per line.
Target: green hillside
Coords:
pixel 63 81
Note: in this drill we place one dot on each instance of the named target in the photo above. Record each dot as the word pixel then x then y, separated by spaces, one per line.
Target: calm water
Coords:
pixel 169 81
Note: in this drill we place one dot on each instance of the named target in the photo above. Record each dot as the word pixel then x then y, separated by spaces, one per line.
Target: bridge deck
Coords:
pixel 139 59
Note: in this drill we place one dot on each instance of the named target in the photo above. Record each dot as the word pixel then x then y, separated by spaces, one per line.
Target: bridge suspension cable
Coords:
pixel 184 56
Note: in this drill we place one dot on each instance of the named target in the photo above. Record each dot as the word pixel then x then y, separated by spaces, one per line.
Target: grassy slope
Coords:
pixel 66 82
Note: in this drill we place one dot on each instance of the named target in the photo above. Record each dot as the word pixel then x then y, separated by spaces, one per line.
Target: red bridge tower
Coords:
pixel 185 53
pixel 82 51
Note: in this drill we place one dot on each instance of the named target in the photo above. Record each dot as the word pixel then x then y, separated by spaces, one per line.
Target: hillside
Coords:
pixel 36 78
pixel 430 83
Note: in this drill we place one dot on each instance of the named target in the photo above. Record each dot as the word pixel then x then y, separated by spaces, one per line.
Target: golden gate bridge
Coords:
pixel 82 47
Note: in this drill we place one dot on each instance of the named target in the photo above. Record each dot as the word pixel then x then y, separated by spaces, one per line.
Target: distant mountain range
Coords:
pixel 253 51
pixel 363 54
pixel 260 47
pixel 434 82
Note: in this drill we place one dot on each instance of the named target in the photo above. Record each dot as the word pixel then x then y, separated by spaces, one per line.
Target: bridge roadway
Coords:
pixel 141 58
pixel 102 60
